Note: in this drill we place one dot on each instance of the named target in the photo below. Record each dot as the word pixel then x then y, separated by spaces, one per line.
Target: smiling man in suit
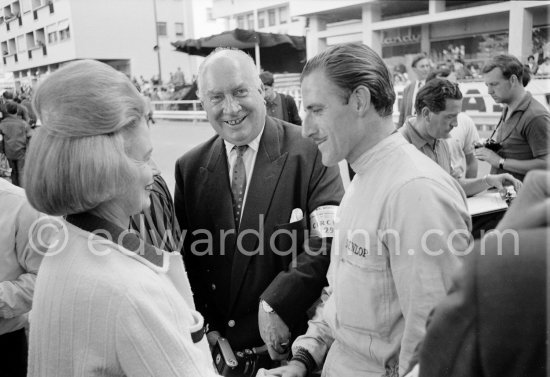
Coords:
pixel 235 196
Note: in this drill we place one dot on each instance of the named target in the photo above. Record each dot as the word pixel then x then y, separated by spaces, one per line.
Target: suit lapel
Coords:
pixel 267 170
pixel 215 181
pixel 410 94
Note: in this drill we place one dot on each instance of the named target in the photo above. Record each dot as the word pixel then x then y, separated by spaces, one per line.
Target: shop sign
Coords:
pixel 402 36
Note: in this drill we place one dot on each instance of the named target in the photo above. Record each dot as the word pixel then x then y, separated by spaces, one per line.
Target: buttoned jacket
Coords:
pixel 230 272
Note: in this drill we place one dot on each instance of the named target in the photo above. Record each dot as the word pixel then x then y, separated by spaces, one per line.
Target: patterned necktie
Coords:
pixel 238 184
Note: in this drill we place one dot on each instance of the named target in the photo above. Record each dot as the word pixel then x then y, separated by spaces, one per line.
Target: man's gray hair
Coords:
pixel 218 51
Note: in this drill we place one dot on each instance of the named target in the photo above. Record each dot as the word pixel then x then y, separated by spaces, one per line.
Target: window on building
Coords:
pixel 459 4
pixel 162 29
pixel 283 15
pixel 30 40
pixel 16 9
pixel 250 21
pixel 271 17
pixel 38 3
pixel 261 19
pixel 64 30
pixel 397 9
pixel 179 29
pixel 21 45
pixel 12 46
pixel 475 49
pixel 40 36
pixel 8 15
pixel 52 37
pixel 4 48
pixel 51 32
pixel 541 38
pixel 25 6
pixel 240 22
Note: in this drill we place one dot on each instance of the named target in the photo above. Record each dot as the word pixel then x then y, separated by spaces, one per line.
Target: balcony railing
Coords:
pixel 9 20
pixel 49 5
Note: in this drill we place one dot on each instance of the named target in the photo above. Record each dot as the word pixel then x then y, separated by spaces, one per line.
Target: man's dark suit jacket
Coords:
pixel 228 283
pixel 493 322
pixel 406 106
pixel 290 110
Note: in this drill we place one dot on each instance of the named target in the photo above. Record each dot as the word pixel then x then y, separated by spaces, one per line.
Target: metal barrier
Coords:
pixel 171 110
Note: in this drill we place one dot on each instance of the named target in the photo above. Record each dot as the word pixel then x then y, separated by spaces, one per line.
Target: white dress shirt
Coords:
pixel 249 159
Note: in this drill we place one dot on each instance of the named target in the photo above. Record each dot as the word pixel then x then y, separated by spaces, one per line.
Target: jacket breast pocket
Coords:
pixel 362 294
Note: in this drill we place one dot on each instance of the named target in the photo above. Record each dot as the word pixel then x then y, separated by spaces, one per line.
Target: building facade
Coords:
pixel 134 36
pixel 398 30
pixel 443 29
pixel 269 16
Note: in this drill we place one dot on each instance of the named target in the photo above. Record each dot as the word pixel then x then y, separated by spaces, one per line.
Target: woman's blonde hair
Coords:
pixel 77 158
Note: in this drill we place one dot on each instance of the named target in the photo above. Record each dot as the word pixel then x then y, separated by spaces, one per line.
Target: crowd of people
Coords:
pixel 459 70
pixel 263 264
pixel 17 124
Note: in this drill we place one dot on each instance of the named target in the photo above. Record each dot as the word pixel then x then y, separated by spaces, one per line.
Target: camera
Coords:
pixel 508 194
pixel 224 358
pixel 245 363
pixel 489 144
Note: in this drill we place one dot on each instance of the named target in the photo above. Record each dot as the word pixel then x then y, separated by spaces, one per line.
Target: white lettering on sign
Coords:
pixel 401 39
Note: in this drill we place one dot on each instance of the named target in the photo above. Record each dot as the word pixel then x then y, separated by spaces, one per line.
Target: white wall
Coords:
pixel 465 26
pixel 125 29
pixel 226 8
pixel 305 7
pixel 200 27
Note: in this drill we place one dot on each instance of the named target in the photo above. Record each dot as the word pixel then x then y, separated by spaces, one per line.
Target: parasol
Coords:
pixel 279 52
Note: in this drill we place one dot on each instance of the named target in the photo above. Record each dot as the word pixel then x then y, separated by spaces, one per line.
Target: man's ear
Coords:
pixel 425 113
pixel 361 98
pixel 515 80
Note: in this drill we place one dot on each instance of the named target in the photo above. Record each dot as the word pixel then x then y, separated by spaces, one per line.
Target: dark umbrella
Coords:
pixel 279 52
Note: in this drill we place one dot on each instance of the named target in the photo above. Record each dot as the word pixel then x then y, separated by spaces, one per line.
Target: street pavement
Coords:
pixel 171 139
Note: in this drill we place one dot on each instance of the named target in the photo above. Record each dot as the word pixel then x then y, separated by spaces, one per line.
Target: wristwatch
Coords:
pixel 266 307
pixel 501 163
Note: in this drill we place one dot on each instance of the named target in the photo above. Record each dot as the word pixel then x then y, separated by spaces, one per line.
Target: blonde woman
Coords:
pixel 106 303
